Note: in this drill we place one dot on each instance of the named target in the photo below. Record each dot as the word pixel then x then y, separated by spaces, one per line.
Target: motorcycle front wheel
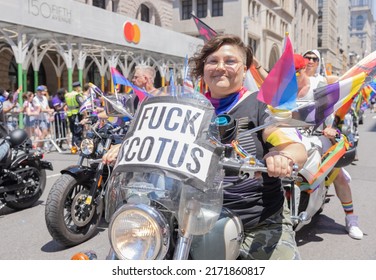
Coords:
pixel 68 220
pixel 35 182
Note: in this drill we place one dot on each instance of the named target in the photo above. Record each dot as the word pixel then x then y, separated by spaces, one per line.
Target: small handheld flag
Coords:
pixel 280 87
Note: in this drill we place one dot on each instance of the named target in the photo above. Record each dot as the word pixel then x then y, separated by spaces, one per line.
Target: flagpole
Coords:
pixel 92 98
pixel 116 92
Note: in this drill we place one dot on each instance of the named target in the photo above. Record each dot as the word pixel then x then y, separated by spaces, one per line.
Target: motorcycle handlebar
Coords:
pixel 246 167
pixel 249 166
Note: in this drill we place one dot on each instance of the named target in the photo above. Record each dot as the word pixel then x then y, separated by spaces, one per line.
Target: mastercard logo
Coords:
pixel 131 32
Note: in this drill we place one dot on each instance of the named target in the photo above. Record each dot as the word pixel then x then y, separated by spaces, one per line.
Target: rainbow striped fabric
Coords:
pixel 328 99
pixel 367 64
pixel 280 87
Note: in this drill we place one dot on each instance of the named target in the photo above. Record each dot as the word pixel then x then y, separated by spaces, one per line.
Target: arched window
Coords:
pixel 145 13
pixel 99 3
pixel 359 22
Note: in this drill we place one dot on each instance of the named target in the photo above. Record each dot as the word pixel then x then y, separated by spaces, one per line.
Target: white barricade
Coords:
pixel 58 130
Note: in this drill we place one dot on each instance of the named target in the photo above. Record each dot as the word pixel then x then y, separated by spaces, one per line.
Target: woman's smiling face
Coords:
pixel 224 71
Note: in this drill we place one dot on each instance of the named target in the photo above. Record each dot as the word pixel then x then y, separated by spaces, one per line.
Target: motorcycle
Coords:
pixel 22 171
pixel 306 193
pixel 74 206
pixel 165 196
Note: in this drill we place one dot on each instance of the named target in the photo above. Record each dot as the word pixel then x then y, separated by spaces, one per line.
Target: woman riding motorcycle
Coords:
pixel 222 63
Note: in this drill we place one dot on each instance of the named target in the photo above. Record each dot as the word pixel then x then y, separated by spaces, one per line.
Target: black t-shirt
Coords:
pixel 253 201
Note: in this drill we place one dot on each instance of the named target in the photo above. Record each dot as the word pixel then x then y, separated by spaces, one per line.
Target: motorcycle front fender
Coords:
pixel 80 173
pixel 222 242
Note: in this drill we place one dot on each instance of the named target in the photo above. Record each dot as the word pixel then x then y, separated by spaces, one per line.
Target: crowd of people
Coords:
pixel 222 63
pixel 46 117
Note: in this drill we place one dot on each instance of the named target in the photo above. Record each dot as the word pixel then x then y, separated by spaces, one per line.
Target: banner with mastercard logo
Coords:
pixel 131 32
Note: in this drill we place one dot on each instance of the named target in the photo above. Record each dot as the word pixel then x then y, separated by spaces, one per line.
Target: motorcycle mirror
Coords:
pixel 119 105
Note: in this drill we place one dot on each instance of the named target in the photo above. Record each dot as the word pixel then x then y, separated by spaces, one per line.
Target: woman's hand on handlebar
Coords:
pixel 330 133
pixel 279 164
pixel 111 156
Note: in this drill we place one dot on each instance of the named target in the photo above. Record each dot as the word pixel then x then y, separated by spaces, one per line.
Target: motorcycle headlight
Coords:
pixel 139 232
pixel 87 146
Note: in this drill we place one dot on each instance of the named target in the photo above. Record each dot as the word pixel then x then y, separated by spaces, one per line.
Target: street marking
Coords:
pixel 53 175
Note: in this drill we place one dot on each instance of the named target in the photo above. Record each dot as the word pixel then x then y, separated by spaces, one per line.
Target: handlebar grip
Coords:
pixel 231 168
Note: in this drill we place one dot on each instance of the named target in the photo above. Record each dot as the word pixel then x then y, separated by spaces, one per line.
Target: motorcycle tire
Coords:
pixel 65 197
pixel 32 193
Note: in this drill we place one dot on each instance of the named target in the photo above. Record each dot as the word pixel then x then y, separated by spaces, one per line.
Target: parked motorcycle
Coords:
pixel 22 171
pixel 74 205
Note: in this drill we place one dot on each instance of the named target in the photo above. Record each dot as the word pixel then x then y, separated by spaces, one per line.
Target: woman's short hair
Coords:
pixel 199 58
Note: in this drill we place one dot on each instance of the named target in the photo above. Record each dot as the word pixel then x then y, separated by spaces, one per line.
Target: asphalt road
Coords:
pixel 24 236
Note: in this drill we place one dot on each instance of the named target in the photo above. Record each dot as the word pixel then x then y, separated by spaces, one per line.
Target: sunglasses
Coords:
pixel 314 59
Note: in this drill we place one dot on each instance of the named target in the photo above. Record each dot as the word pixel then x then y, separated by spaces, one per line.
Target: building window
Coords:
pixel 99 3
pixel 202 8
pixel 115 5
pixel 217 8
pixel 186 9
pixel 145 13
pixel 359 23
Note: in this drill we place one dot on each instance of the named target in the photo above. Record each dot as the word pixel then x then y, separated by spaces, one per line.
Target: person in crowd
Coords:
pixel 11 109
pixel 58 103
pixel 30 114
pixel 263 73
pixel 308 79
pixel 373 102
pixel 46 113
pixel 74 100
pixel 313 70
pixel 3 96
pixel 143 77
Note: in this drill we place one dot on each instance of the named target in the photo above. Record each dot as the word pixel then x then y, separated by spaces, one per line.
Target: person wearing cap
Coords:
pixel 74 100
pixel 313 69
pixel 306 84
pixel 42 121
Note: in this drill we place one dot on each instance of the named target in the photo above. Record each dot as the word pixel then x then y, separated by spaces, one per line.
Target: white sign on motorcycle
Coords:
pixel 165 136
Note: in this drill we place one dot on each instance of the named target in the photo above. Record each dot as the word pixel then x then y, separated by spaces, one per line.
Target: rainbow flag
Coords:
pixel 120 79
pixel 329 159
pixel 117 77
pixel 250 83
pixel 280 87
pixel 328 99
pixel 367 64
pixel 255 74
pixel 206 33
